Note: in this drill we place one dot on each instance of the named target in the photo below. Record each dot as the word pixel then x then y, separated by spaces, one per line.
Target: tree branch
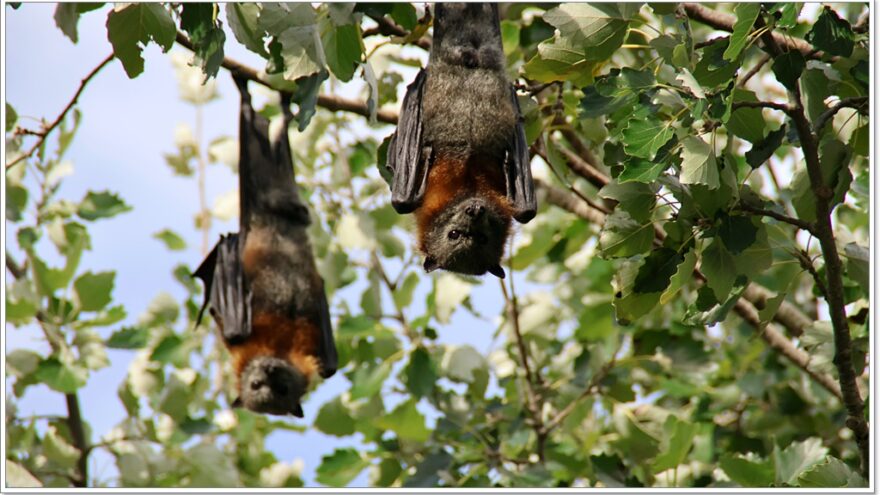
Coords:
pixel 531 397
pixel 797 222
pixel 330 102
pixel 783 346
pixel 386 27
pixel 568 202
pixel 77 433
pixel 833 272
pixel 48 129
pixel 761 104
pixel 588 390
pixel 825 117
pixel 725 22
pixel 754 70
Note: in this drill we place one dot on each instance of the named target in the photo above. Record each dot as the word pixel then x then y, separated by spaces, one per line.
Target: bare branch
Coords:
pixel 857 102
pixel 388 28
pixel 754 70
pixel 48 129
pixel 761 104
pixel 797 222
pixel 329 102
pixel 778 342
pixel 591 387
pixel 567 201
pixel 724 22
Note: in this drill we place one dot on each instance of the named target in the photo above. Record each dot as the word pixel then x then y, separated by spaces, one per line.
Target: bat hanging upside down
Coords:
pixel 262 285
pixel 459 156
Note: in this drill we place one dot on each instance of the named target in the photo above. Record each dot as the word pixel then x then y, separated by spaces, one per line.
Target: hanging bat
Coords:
pixel 262 286
pixel 459 157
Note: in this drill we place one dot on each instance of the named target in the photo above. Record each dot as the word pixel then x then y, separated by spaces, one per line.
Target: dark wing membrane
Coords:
pixel 405 151
pixel 327 351
pixel 520 186
pixel 226 290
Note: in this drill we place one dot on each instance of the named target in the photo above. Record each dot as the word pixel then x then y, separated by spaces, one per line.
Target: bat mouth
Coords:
pixel 272 386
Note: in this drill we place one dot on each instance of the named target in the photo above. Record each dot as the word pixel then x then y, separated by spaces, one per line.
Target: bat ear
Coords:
pixel 497 271
pixel 430 264
pixel 297 411
pixel 237 403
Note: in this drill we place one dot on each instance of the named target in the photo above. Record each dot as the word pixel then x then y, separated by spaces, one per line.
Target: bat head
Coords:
pixel 272 386
pixel 468 34
pixel 467 237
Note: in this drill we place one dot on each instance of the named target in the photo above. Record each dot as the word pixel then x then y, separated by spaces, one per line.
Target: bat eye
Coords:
pixel 454 234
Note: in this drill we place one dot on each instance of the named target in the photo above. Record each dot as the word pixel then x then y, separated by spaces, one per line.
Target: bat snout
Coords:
pixel 272 386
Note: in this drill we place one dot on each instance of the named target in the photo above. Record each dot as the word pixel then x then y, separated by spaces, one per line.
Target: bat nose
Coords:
pixel 257 384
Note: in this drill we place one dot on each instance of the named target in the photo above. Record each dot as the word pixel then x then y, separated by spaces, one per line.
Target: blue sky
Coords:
pixel 126 127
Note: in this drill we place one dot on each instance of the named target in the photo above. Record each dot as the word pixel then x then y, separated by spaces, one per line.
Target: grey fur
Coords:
pixel 476 243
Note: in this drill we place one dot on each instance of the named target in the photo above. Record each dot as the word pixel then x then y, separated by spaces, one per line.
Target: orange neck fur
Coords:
pixel 451 178
pixel 295 341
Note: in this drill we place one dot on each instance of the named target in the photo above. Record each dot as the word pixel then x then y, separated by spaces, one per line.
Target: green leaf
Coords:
pixel 242 18
pixel 12 118
pixel 622 236
pixel 210 467
pixel 162 309
pixel 683 274
pixel 629 304
pixel 678 440
pixel 172 241
pixel 58 450
pixel 129 338
pixel 22 362
pixel 832 34
pixel 832 473
pixel 420 373
pixel 22 301
pixel 858 265
pixel 720 269
pixel 762 150
pixel 639 170
pixel 19 477
pixel 738 232
pixel 93 290
pixel 334 419
pixel 132 26
pixel 65 378
pixel 746 14
pixel 306 98
pixel 636 199
pixel 712 70
pixel 788 68
pixel 619 89
pixel 747 123
pixel 644 134
pixel 205 33
pixel 16 202
pixel 749 472
pixel 340 467
pixel 598 28
pixel 171 349
pixel 367 380
pixel 698 163
pixel 654 274
pixel 101 205
pixel 559 60
pixel 462 363
pixel 789 13
pixel 300 52
pixel 796 459
pixel 66 17
pixel 406 421
pixel 343 49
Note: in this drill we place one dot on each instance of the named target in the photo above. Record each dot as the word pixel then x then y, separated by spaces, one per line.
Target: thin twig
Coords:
pixel 761 104
pixel 531 397
pixel 825 117
pixel 386 27
pixel 591 387
pixel 754 70
pixel 797 222
pixel 48 129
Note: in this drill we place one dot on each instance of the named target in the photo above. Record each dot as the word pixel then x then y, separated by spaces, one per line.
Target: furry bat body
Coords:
pixel 262 285
pixel 459 157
